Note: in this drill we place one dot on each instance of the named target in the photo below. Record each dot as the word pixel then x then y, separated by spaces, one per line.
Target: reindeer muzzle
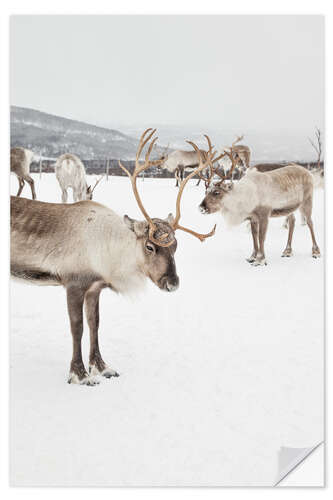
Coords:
pixel 203 208
pixel 169 283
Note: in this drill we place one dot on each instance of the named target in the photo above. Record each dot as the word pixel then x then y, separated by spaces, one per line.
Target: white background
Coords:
pixel 67 7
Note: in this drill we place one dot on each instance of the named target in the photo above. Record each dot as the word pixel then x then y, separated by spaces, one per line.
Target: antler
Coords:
pixel 233 164
pixel 97 182
pixel 210 160
pixel 238 138
pixel 144 139
pixel 212 170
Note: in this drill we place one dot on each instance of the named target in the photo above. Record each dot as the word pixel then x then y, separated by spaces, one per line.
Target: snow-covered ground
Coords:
pixel 215 377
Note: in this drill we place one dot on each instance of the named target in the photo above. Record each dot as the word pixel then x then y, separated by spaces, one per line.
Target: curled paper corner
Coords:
pixel 290 458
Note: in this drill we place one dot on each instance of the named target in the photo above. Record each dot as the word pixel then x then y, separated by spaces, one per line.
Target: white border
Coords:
pixel 139 7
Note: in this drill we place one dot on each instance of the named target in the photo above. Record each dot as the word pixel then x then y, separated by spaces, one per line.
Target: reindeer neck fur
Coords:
pixel 84 240
pixel 239 201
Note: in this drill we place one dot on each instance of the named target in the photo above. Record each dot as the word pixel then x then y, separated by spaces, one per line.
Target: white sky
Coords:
pixel 242 72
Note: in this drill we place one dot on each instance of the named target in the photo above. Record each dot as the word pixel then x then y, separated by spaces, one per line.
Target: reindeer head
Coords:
pixel 216 191
pixel 213 200
pixel 157 262
pixel 164 156
pixel 156 237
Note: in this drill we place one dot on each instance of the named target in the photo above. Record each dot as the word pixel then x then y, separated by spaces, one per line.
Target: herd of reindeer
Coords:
pixel 86 247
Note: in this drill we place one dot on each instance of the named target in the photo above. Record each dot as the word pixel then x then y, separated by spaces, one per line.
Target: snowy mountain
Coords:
pixel 52 136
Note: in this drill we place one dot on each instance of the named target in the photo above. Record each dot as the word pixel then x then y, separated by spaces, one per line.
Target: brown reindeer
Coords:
pixel 261 195
pixel 20 160
pixel 86 247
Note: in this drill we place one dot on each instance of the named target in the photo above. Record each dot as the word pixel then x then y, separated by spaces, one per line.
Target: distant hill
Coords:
pixel 51 136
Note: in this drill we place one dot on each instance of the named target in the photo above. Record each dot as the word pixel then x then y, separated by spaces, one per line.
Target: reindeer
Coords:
pixel 241 155
pixel 317 174
pixel 259 196
pixel 70 172
pixel 86 247
pixel 20 161
pixel 180 161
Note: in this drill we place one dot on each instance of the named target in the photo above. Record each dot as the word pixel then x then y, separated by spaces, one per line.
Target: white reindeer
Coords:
pixel 70 173
pixel 260 195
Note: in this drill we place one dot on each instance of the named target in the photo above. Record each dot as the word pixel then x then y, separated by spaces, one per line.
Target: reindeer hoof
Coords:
pixel 250 259
pixel 108 373
pixel 105 372
pixel 86 380
pixel 259 263
pixel 287 253
pixel 316 253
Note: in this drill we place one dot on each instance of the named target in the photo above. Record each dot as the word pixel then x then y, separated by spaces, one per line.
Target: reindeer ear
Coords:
pixel 129 222
pixel 140 228
pixel 170 219
pixel 227 186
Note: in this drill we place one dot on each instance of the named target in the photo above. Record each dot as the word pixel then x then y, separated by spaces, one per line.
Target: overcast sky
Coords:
pixel 238 72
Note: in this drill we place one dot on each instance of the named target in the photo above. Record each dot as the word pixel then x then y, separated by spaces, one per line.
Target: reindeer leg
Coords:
pixel 263 224
pixel 32 185
pixel 75 195
pixel 75 298
pixel 64 196
pixel 176 175
pixel 254 230
pixel 285 223
pixel 291 224
pixel 91 300
pixel 303 221
pixel 306 211
pixel 315 247
pixel 21 186
pixel 182 173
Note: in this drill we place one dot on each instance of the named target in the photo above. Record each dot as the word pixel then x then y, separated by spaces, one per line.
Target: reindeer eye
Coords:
pixel 216 193
pixel 150 248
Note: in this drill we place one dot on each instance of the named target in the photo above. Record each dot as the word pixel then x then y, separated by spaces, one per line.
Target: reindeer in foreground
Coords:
pixel 70 173
pixel 86 247
pixel 180 161
pixel 20 160
pixel 260 195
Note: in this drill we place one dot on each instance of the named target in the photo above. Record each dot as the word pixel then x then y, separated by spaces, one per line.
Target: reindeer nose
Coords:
pixel 172 284
pixel 202 207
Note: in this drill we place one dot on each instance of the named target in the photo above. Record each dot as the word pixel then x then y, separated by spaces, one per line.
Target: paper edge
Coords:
pixel 296 462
